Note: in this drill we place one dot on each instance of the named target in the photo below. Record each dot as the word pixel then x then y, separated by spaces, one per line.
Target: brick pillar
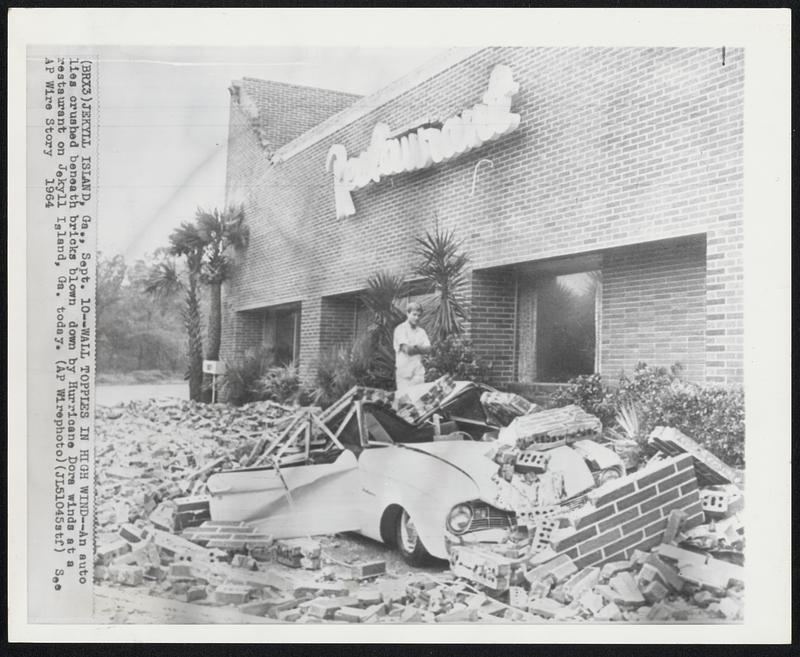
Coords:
pixel 310 332
pixel 492 321
pixel 725 303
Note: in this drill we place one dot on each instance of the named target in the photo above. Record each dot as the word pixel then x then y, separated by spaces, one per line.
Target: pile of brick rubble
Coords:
pixel 153 531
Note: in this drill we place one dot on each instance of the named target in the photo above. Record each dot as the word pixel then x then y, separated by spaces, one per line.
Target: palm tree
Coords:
pixel 166 281
pixel 206 245
pixel 219 234
pixel 442 269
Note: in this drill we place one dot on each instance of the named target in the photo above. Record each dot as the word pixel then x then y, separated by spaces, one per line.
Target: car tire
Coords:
pixel 409 543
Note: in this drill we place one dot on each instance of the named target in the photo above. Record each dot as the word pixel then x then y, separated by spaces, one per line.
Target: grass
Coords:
pixel 138 376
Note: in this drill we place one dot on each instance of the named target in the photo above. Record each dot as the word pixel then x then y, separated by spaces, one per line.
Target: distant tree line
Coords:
pixel 135 330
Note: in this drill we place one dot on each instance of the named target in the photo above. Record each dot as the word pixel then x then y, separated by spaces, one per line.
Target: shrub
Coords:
pixel 713 416
pixel 454 355
pixel 590 393
pixel 240 383
pixel 337 372
pixel 280 384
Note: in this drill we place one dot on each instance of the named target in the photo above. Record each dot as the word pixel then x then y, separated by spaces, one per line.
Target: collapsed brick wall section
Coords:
pixel 632 513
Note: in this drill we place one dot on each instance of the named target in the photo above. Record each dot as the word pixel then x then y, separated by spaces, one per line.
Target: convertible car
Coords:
pixel 422 486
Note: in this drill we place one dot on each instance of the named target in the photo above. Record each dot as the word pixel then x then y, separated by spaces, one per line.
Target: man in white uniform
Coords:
pixel 410 343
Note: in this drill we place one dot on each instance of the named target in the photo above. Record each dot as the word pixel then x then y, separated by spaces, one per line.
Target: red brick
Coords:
pixel 659 501
pixel 683 476
pixel 622 544
pixel 613 495
pixel 594 516
pixel 575 538
pixel 618 519
pixel 589 559
pixel 634 499
pixel 601 541
pixel 657 475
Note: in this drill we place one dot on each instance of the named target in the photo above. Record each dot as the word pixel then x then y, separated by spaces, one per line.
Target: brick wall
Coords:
pixel 654 307
pixel 337 322
pixel 616 146
pixel 286 111
pixel 632 513
pixel 492 321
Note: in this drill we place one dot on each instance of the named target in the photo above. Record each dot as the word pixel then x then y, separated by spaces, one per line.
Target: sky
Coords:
pixel 164 123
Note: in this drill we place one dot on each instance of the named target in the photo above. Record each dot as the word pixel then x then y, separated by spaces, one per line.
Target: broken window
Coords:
pixel 566 309
pixel 282 333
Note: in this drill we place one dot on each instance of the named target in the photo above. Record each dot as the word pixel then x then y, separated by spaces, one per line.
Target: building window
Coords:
pixel 281 333
pixel 566 325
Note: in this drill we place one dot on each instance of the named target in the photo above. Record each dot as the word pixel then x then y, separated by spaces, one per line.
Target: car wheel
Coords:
pixel 409 543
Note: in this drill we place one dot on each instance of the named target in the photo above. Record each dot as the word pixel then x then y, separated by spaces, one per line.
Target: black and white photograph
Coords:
pixel 334 331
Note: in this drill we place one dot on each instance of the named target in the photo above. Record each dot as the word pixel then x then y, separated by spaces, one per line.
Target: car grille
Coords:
pixel 492 518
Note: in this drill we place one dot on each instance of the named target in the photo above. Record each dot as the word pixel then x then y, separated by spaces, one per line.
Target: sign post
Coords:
pixel 214 368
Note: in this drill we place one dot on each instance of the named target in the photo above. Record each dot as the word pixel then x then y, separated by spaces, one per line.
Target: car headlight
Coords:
pixel 459 518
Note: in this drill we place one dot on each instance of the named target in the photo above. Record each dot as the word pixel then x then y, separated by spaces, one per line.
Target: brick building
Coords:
pixel 605 229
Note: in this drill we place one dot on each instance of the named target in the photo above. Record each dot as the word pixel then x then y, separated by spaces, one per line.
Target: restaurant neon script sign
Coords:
pixel 424 147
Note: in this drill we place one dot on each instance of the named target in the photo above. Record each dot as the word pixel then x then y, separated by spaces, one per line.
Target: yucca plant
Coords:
pixel 628 445
pixel 381 297
pixel 443 270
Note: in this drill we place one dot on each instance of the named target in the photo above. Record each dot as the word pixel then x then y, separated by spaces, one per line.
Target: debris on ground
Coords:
pixel 664 542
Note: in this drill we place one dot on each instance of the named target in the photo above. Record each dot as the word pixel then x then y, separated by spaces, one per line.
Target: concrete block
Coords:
pixel 194 593
pixel 322 607
pixel 592 602
pixel 656 568
pixel 351 614
pixel 236 594
pixel 518 597
pixel 654 591
pixel 181 571
pixel 127 575
pixel 582 581
pixel 288 615
pixel 546 607
pixel 661 611
pixel 105 554
pixel 611 612
pixel 460 613
pixel 483 567
pixel 559 568
pixel 367 597
pixel 628 594
pixel 367 569
pixel 612 568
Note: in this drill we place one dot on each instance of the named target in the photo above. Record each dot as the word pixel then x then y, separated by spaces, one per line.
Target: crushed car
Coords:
pixel 454 462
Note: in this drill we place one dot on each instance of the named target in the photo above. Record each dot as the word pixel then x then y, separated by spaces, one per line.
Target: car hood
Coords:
pixel 468 457
pixel 472 458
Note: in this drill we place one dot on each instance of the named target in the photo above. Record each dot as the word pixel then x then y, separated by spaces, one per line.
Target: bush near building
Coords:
pixel 711 415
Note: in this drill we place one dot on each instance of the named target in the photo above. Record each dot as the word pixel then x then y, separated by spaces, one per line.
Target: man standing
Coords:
pixel 410 343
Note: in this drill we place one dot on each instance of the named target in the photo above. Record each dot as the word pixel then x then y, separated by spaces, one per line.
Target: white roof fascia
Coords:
pixel 367 104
